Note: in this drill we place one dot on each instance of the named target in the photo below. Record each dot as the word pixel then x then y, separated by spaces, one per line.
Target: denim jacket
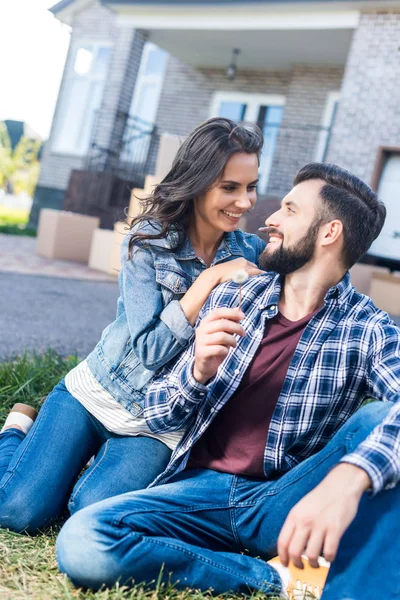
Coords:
pixel 150 327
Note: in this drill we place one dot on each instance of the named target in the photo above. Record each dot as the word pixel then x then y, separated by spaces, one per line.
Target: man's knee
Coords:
pixel 371 414
pixel 361 424
pixel 84 549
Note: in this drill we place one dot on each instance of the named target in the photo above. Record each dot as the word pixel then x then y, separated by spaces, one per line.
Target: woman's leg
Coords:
pixel 123 464
pixel 38 479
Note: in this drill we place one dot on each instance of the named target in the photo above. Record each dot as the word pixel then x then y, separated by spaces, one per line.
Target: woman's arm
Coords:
pixel 159 333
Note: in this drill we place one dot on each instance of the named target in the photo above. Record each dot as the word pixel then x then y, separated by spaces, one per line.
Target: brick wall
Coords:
pixel 96 24
pixel 369 112
pixel 187 95
pixel 299 134
pixel 93 23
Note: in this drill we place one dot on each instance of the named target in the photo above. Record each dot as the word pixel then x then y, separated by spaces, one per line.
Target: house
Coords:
pixel 321 77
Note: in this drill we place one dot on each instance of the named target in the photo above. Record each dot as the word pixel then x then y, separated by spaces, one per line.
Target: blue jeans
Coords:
pixel 215 530
pixel 39 471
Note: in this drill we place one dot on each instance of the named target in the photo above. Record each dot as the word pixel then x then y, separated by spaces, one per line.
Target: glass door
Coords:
pixel 265 110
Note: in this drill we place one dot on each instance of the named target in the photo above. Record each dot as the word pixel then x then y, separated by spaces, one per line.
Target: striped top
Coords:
pixel 81 384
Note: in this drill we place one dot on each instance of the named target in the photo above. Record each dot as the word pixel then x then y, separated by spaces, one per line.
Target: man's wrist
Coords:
pixel 356 479
pixel 198 376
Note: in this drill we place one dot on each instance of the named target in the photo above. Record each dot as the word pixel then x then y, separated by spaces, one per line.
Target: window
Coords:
pixel 146 98
pixel 149 83
pixel 82 96
pixel 386 247
pixel 328 120
pixel 263 109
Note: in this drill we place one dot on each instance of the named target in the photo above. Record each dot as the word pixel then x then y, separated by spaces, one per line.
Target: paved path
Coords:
pixel 17 255
pixel 38 313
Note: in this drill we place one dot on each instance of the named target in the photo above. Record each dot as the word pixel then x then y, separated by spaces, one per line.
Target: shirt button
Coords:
pixel 212 410
pixel 236 371
pixel 273 307
pixel 202 393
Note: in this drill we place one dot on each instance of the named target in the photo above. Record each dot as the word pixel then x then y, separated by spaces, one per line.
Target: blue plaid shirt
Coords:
pixel 349 351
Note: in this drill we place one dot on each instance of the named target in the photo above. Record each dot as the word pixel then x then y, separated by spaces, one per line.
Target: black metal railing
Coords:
pixel 129 153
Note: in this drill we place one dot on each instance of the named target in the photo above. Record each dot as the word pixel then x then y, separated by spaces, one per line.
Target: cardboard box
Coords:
pixel 361 276
pixel 65 235
pixel 138 193
pixel 385 292
pixel 167 149
pixel 106 249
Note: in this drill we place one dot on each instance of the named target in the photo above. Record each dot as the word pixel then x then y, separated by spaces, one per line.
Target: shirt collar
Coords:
pixel 339 293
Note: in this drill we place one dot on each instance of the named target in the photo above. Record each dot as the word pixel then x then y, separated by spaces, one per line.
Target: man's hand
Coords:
pixel 316 524
pixel 214 338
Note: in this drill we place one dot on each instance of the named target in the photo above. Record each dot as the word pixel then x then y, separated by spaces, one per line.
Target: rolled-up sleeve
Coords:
pixel 175 319
pixel 379 454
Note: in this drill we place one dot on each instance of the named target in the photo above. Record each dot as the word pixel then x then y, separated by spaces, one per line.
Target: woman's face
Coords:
pixel 222 207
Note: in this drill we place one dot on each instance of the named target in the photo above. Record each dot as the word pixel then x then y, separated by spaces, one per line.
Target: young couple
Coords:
pixel 272 450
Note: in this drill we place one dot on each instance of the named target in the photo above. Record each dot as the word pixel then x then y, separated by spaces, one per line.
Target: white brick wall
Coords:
pixel 369 112
pixel 187 93
pixel 305 104
pixel 187 96
pixel 96 24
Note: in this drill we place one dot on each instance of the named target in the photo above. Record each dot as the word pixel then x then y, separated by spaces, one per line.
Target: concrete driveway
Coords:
pixel 67 315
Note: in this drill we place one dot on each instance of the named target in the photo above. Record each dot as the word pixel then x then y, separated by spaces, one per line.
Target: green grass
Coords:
pixel 28 567
pixel 14 221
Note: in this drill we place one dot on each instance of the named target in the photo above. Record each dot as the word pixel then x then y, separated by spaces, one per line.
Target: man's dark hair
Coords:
pixel 346 198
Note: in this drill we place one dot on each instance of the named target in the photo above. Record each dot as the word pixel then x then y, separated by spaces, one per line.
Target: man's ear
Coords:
pixel 331 232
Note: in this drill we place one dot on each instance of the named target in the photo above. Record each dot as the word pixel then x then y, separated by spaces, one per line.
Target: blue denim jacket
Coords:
pixel 150 327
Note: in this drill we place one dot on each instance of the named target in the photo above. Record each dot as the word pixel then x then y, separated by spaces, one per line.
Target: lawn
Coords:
pixel 14 221
pixel 28 568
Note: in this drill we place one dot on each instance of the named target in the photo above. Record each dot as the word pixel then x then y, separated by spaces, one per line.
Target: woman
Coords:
pixel 184 243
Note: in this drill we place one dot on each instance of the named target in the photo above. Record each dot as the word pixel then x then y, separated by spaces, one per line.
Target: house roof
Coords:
pixel 60 6
pixel 166 2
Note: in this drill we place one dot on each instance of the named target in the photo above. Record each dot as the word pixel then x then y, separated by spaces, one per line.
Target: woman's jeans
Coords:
pixel 214 530
pixel 39 471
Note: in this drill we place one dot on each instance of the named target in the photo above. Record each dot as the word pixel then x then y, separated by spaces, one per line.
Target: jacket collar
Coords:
pixel 228 247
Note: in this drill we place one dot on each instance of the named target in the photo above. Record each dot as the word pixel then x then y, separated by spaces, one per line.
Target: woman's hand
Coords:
pixel 198 293
pixel 225 271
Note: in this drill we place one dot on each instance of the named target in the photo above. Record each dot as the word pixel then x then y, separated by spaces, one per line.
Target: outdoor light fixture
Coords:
pixel 232 68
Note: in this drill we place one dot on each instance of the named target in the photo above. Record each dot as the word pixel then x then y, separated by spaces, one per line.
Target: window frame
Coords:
pixel 57 146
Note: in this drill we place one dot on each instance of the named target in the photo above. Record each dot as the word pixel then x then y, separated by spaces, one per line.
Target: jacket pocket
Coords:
pixel 129 364
pixel 173 279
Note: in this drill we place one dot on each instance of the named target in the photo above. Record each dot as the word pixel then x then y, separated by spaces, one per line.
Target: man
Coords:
pixel 277 457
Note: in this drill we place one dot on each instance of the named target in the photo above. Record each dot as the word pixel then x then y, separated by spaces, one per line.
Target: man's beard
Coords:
pixel 287 260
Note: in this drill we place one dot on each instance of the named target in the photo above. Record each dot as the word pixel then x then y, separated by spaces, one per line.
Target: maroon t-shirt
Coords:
pixel 235 441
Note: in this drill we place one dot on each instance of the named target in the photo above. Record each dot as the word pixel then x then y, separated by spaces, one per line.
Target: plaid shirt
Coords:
pixel 349 351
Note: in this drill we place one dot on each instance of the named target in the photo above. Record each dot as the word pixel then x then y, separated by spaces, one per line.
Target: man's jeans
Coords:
pixel 214 530
pixel 38 471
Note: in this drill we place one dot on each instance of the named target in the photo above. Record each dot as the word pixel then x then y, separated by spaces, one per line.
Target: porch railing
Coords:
pixel 130 150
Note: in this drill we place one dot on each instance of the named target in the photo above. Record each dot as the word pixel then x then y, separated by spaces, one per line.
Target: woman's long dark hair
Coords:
pixel 198 165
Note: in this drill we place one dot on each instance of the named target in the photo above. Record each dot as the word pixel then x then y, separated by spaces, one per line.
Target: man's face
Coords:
pixel 293 230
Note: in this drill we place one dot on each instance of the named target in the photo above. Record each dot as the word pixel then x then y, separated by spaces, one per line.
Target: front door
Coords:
pixel 264 109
